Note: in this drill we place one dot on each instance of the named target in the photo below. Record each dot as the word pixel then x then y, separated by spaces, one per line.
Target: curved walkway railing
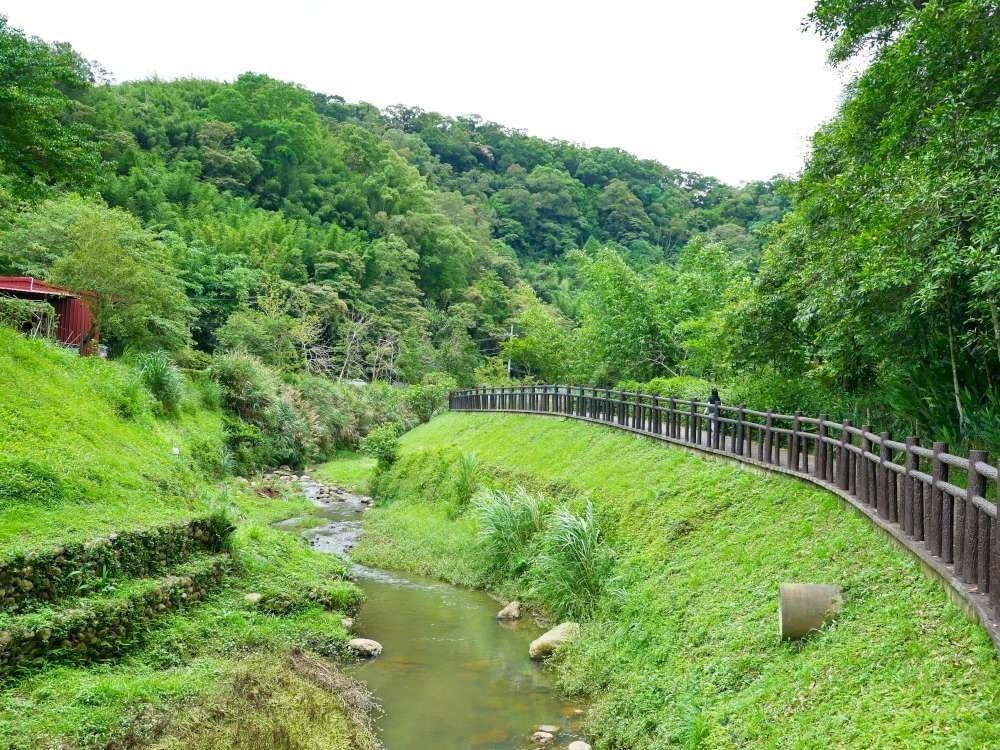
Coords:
pixel 933 502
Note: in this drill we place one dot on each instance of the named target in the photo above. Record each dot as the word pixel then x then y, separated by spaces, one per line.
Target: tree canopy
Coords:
pixel 324 235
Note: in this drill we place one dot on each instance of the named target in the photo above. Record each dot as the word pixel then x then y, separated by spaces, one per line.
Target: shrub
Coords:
pixel 333 408
pixel 270 426
pixel 119 386
pixel 286 430
pixel 575 566
pixel 382 444
pixel 208 391
pixel 468 477
pixel 681 386
pixel 384 403
pixel 430 395
pixel 211 457
pixel 161 379
pixel 508 524
pixel 34 317
pixel 248 388
pixel 192 359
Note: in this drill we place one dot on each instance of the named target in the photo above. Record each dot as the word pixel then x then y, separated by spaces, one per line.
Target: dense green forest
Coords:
pixel 330 238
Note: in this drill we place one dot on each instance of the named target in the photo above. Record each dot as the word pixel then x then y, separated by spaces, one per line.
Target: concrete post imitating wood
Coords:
pixel 805 607
pixel 939 472
pixel 793 443
pixel 740 438
pixel 843 457
pixel 967 538
pixel 768 437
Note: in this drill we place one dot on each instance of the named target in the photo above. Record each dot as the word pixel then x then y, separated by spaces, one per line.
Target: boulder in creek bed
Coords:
pixel 347 622
pixel 579 745
pixel 511 612
pixel 365 647
pixel 547 643
pixel 542 738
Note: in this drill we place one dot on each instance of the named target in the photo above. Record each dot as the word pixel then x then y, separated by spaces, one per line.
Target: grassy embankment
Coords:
pixel 83 454
pixel 682 647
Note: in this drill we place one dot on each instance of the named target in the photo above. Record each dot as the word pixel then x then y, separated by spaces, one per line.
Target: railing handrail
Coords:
pixel 950 527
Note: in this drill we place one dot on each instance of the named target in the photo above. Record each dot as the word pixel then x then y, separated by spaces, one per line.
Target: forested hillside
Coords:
pixel 333 237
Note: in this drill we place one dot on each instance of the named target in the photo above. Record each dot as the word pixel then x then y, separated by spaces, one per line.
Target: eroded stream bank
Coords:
pixel 451 675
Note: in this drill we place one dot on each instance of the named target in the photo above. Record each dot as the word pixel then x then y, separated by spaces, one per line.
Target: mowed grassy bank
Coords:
pixel 81 452
pixel 683 649
pixel 84 453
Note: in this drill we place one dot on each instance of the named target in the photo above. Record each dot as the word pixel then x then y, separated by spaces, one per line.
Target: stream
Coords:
pixel 451 675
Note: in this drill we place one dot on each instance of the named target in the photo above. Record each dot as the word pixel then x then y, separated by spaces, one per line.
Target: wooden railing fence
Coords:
pixel 934 502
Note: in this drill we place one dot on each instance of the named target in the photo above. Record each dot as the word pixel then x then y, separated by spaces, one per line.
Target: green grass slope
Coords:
pixel 684 651
pixel 83 453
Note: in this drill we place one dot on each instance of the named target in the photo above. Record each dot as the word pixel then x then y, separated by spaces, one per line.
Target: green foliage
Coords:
pixel 884 275
pixel 468 477
pixel 543 345
pixel 382 444
pixel 575 567
pixel 48 142
pixel 682 386
pixel 161 378
pixel 121 388
pixel 34 317
pixel 135 297
pixel 429 396
pixel 248 387
pixel 618 330
pixel 508 524
pixel 24 481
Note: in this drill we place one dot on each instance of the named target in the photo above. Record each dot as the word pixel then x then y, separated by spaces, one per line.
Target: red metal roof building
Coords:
pixel 75 320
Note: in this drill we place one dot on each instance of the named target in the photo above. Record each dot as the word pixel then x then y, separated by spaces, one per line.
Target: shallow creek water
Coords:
pixel 450 675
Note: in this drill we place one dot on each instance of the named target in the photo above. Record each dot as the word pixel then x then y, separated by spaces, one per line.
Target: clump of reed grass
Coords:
pixel 508 523
pixel 575 566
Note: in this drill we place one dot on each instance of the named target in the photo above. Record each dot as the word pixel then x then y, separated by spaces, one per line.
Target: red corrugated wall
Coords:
pixel 74 323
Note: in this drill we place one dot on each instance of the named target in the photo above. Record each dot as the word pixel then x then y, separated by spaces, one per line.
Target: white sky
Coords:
pixel 728 88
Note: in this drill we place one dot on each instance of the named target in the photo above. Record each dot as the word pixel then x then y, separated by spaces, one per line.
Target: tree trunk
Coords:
pixel 954 374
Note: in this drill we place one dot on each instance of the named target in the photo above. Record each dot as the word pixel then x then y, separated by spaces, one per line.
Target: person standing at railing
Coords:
pixel 713 416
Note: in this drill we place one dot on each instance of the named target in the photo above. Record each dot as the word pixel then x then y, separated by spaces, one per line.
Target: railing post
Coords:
pixel 689 435
pixel 740 439
pixel 768 437
pixel 939 472
pixel 994 553
pixel 910 511
pixel 656 420
pixel 672 417
pixel 865 489
pixel 882 476
pixel 821 449
pixel 986 529
pixel 966 521
pixel 843 462
pixel 966 545
pixel 793 443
